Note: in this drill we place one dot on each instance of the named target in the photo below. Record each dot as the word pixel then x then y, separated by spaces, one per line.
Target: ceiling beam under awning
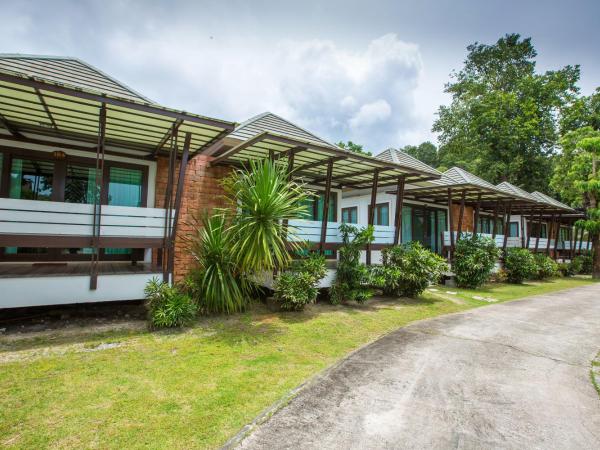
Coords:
pixel 10 127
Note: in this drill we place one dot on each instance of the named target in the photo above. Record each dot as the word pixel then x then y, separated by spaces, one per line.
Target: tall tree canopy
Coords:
pixel 356 148
pixel 426 152
pixel 502 123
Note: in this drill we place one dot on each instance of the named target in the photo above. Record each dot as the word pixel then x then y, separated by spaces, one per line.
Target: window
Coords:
pixel 535 230
pixel 314 207
pixel 125 187
pixel 564 234
pixel 31 179
pixel 350 215
pixel 80 182
pixel 382 214
pixel 513 229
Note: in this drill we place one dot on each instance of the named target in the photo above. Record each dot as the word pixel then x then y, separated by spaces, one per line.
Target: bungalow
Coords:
pixel 99 186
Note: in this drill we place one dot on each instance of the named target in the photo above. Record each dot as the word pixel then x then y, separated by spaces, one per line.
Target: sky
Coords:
pixel 368 71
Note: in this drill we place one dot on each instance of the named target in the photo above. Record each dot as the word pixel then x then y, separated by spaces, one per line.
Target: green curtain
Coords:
pixel 406 224
pixel 16 176
pixel 125 187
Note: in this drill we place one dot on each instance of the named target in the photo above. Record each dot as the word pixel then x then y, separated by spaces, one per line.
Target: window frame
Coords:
pixel 58 189
pixel 350 208
pixel 377 215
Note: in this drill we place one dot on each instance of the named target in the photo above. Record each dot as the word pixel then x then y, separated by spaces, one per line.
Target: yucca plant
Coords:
pixel 263 197
pixel 217 283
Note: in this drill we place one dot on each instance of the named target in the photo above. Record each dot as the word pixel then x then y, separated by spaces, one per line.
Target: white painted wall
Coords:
pixel 40 291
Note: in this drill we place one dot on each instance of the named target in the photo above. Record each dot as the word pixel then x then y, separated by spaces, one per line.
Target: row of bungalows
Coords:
pixel 99 188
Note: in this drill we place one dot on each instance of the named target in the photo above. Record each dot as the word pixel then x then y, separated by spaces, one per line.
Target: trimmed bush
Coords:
pixel 167 306
pixel 299 286
pixel 408 269
pixel 546 267
pixel 352 277
pixel 519 264
pixel 587 264
pixel 474 260
pixel 576 265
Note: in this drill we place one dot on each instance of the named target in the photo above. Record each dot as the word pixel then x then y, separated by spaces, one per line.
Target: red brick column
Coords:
pixel 468 218
pixel 202 191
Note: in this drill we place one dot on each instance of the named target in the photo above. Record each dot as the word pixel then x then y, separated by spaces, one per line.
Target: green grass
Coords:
pixel 193 388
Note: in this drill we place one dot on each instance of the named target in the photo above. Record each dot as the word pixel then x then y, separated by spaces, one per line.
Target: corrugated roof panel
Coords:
pixel 399 157
pixel 69 72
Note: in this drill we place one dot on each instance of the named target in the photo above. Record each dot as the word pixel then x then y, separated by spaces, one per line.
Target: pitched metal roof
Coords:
pixel 269 122
pixel 515 190
pixel 399 157
pixel 68 71
pixel 62 97
pixel 551 201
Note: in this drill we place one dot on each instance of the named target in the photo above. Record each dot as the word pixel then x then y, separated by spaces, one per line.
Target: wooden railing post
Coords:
pixel 399 205
pixel 326 206
pixel 507 226
pixel 98 197
pixel 450 225
pixel 372 209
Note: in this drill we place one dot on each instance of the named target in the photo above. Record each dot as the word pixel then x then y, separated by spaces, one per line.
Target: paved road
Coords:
pixel 513 375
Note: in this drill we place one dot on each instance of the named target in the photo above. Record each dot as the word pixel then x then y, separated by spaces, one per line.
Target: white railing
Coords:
pixel 32 217
pixel 310 230
pixel 510 242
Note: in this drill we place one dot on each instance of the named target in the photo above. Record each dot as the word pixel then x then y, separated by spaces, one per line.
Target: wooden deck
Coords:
pixel 30 270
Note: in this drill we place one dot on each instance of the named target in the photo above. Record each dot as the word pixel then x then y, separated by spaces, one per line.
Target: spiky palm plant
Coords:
pixel 264 198
pixel 218 284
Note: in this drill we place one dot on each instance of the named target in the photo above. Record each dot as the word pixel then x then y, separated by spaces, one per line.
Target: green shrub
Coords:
pixel 587 264
pixel 499 276
pixel 474 260
pixel 546 267
pixel 519 264
pixel 565 269
pixel 352 277
pixel 576 265
pixel 408 269
pixel 167 306
pixel 298 287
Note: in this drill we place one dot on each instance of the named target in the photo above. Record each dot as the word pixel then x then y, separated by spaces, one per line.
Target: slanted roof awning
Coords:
pixel 350 169
pixel 59 98
pixel 460 181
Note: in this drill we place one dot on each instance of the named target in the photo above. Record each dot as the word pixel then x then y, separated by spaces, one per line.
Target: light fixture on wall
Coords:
pixel 58 154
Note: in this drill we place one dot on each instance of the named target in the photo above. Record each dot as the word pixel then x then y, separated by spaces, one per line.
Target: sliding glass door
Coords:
pixel 425 225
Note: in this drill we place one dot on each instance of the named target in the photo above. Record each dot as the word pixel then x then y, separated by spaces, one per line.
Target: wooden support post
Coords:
pixel 522 230
pixel 556 237
pixel 528 226
pixel 168 205
pixel 581 240
pixel 372 209
pixel 495 219
pixel 177 204
pixel 461 214
pixel 572 240
pixel 539 233
pixel 399 204
pixel 549 235
pixel 326 206
pixel 507 226
pixel 587 242
pixel 476 219
pixel 98 195
pixel 450 224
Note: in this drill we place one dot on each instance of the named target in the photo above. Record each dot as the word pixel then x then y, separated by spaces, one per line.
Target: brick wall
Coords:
pixel 202 191
pixel 468 217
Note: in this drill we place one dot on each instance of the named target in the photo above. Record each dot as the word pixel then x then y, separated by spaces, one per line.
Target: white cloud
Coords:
pixel 370 114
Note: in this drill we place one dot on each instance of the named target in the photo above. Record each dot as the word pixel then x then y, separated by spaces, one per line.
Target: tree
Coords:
pixel 583 112
pixel 502 123
pixel 351 146
pixel 577 175
pixel 426 152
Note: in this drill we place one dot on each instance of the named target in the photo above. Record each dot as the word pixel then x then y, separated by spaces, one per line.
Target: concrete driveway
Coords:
pixel 513 375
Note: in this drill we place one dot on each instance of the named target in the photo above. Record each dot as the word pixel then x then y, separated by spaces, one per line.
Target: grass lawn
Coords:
pixel 194 388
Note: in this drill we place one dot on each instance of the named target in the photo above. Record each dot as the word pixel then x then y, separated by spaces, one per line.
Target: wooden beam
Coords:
pixel 177 206
pixel 371 219
pixel 450 223
pixel 539 233
pixel 10 127
pixel 476 219
pixel 168 204
pixel 557 236
pixel 549 235
pixel 461 215
pixel 99 183
pixel 507 226
pixel 495 219
pixel 399 204
pixel 174 128
pixel 312 165
pixel 48 113
pixel 326 206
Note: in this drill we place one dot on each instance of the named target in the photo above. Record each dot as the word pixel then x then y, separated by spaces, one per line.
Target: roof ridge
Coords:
pixel 394 155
